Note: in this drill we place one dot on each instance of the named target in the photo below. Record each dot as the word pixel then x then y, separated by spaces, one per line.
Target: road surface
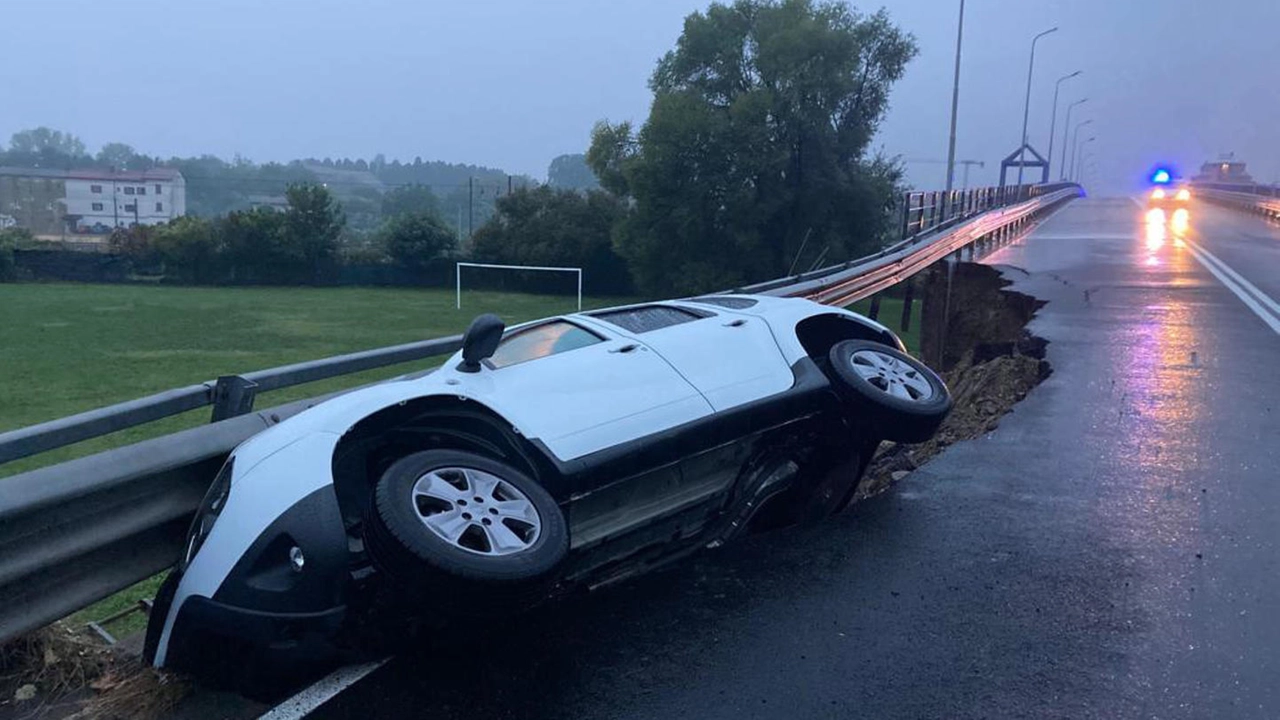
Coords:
pixel 1110 551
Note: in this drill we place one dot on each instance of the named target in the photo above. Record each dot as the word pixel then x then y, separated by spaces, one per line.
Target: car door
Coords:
pixel 581 389
pixel 731 358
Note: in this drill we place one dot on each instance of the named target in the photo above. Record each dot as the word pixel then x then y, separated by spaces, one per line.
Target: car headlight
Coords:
pixel 215 499
pixel 1157 194
pixel 1184 194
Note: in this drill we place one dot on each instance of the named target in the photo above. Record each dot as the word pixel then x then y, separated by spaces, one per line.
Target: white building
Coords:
pixel 120 199
pixel 53 201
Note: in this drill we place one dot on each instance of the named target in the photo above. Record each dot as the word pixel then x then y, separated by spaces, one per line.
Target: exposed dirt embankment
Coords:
pixel 988 359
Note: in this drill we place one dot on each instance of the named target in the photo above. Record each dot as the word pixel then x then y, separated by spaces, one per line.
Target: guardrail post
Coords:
pixel 875 307
pixel 908 297
pixel 232 396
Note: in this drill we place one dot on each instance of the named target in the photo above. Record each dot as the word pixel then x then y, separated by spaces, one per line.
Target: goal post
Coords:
pixel 458 274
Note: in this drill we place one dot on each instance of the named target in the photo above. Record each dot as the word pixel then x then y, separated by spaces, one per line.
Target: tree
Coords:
pixel 42 140
pixel 413 198
pixel 413 240
pixel 312 226
pixel 255 247
pixel 118 155
pixel 571 172
pixel 754 155
pixel 546 226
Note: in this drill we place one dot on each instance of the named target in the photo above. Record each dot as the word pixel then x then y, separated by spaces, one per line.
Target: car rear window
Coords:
pixel 649 317
pixel 541 341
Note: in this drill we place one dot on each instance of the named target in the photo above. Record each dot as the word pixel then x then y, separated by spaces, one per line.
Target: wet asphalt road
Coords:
pixel 1112 550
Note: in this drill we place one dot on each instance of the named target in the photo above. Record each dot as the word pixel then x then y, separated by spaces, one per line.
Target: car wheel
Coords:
pixel 474 533
pixel 905 400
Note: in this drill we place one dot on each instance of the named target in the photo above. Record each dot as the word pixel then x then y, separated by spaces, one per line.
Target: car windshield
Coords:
pixel 541 341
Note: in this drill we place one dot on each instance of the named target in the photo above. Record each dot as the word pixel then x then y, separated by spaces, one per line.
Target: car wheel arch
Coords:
pixel 819 333
pixel 431 422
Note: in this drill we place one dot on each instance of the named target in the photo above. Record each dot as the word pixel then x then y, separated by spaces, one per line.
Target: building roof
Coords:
pixel 160 173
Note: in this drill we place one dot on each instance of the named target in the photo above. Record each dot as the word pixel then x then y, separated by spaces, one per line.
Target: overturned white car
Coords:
pixel 562 453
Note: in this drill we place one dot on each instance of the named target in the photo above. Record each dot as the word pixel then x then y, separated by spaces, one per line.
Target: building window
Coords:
pixel 133 207
pixel 129 190
pixel 95 189
pixel 157 189
pixel 142 190
pixel 97 207
pixel 159 207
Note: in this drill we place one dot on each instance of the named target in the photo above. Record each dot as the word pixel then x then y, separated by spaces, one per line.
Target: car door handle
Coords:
pixel 736 323
pixel 625 348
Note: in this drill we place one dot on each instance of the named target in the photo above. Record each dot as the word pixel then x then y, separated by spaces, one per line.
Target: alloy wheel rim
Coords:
pixel 891 376
pixel 476 511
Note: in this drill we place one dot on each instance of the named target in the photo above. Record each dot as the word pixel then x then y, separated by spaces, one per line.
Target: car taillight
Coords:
pixel 215 499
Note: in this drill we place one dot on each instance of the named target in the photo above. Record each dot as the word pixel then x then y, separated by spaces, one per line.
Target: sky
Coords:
pixel 513 83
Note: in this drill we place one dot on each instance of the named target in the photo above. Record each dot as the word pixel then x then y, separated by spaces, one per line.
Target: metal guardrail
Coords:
pixel 78 531
pixel 1259 199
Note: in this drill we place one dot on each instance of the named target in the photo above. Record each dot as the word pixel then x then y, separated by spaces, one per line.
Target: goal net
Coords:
pixel 520 271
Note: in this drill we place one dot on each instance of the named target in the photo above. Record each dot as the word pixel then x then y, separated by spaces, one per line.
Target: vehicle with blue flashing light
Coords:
pixel 562 454
pixel 1168 192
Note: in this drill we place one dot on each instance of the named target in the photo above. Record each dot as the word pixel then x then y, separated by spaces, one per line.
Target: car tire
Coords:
pixel 903 399
pixel 465 532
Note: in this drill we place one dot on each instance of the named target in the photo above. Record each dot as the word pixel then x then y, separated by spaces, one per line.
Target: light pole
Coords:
pixel 1076 159
pixel 1026 105
pixel 955 106
pixel 1075 139
pixel 1062 169
pixel 1053 122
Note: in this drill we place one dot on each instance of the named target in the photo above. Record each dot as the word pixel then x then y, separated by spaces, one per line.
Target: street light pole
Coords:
pixel 1075 146
pixel 1026 105
pixel 1053 122
pixel 1062 168
pixel 955 106
pixel 1075 161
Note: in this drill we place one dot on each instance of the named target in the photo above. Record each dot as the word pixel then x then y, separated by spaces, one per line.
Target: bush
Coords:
pixel 9 240
pixel 414 240
pixel 545 226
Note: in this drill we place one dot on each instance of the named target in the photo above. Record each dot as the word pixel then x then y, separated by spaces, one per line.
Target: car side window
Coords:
pixel 541 341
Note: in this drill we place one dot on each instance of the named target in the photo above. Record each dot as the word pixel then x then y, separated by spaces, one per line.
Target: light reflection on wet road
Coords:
pixel 1112 550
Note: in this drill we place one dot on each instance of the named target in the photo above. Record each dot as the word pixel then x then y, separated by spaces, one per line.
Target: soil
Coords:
pixel 993 363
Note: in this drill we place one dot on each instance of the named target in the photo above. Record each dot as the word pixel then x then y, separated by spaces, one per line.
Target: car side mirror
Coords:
pixel 481 341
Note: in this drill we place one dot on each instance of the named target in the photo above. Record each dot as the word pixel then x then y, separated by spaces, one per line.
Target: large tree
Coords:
pixel 754 157
pixel 312 226
pixel 571 172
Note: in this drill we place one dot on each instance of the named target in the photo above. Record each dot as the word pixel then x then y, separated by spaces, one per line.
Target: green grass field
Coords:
pixel 891 317
pixel 66 348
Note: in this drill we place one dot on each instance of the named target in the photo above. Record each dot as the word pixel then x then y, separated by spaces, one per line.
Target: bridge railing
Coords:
pixel 78 531
pixel 1258 199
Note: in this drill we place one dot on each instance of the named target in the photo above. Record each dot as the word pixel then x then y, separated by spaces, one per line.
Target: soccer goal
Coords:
pixel 577 271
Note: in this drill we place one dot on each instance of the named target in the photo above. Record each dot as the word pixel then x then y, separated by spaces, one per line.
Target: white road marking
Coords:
pixel 1248 293
pixel 1242 288
pixel 321 692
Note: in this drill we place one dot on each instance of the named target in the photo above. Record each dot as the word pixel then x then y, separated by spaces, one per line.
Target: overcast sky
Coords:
pixel 513 83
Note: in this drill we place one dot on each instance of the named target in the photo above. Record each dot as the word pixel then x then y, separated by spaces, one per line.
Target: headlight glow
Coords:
pixel 1184 194
pixel 1157 194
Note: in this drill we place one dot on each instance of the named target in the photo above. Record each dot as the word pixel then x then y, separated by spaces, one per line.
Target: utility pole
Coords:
pixel 955 107
pixel 471 214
